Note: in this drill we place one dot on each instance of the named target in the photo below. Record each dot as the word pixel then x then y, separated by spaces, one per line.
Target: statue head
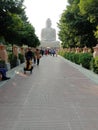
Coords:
pixel 48 23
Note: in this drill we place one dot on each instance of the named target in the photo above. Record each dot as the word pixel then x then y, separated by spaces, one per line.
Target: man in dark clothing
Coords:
pixel 29 54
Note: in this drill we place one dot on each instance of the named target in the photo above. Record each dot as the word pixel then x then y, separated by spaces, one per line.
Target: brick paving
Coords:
pixel 58 95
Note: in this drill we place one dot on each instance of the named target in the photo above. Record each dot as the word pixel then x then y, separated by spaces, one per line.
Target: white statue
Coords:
pixel 48 33
pixel 48 36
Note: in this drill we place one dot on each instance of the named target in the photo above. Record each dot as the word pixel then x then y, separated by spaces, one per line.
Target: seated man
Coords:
pixel 3 74
pixel 29 66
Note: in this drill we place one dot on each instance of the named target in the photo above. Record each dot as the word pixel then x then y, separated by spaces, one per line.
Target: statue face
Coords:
pixel 48 23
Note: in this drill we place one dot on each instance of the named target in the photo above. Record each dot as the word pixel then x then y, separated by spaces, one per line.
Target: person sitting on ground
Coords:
pixel 3 74
pixel 29 65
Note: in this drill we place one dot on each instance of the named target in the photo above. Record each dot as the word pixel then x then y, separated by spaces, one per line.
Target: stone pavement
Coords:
pixel 58 95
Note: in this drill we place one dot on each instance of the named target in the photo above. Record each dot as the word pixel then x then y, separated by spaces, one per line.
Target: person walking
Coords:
pixel 38 56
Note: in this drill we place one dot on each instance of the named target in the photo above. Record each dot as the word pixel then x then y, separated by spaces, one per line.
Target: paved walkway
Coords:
pixel 58 95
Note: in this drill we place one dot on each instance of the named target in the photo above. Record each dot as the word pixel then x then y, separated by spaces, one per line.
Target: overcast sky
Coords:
pixel 39 10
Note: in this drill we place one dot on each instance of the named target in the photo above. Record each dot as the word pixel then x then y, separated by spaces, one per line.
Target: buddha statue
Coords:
pixel 48 35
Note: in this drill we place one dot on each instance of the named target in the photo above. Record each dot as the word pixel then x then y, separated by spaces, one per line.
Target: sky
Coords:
pixel 38 11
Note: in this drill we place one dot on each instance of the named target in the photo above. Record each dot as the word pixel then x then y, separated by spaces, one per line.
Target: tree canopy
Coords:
pixel 78 24
pixel 14 25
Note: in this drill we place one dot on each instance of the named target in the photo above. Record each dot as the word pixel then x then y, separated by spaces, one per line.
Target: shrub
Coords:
pixel 76 58
pixel 94 64
pixel 66 55
pixel 85 59
pixel 96 61
pixel 71 56
pixel 61 53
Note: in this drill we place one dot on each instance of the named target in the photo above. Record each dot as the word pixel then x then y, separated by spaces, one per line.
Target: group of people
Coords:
pixel 50 51
pixel 32 57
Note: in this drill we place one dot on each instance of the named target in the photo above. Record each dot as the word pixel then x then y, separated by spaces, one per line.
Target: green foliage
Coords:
pixel 85 59
pixel 76 58
pixel 94 64
pixel 14 25
pixel 96 33
pixel 96 61
pixel 7 9
pixel 70 56
pixel 77 26
pixel 28 36
pixel 61 53
pixel 84 4
pixel 79 58
pixel 66 55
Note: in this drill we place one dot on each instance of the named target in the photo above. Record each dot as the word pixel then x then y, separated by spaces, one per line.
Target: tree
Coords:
pixel 14 25
pixel 28 36
pixel 68 32
pixel 8 7
pixel 78 24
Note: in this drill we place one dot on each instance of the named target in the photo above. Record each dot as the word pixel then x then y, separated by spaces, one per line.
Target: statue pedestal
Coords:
pixel 53 44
